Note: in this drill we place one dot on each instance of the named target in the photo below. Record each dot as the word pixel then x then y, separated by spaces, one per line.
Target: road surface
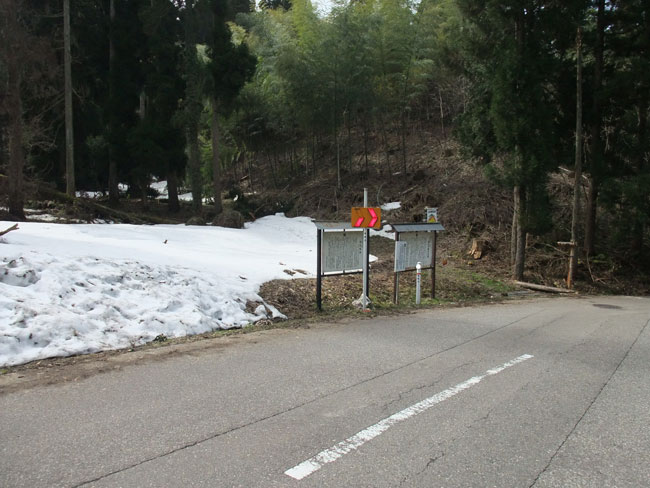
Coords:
pixel 543 393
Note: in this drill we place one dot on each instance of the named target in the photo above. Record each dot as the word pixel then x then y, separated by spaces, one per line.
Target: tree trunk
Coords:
pixel 573 261
pixel 365 143
pixel 520 254
pixel 403 123
pixel 193 107
pixel 339 183
pixel 636 239
pixel 250 172
pixel 15 133
pixel 272 166
pixel 173 204
pixel 113 190
pixel 596 146
pixel 442 115
pixel 349 140
pixel 194 163
pixel 384 135
pixel 144 187
pixel 216 164
pixel 590 217
pixel 515 220
pixel 313 152
pixel 69 132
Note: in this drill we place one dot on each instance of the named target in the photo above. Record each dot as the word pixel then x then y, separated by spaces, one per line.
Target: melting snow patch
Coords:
pixel 95 304
pixel 391 206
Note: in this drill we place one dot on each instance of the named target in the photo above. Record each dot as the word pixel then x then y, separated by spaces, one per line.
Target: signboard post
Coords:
pixel 342 249
pixel 365 218
pixel 415 243
pixel 373 220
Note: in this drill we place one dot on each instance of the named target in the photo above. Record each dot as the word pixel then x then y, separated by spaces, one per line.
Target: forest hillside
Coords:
pixel 524 123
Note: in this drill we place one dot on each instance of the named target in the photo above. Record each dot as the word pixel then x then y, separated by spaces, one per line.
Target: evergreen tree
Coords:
pixel 125 86
pixel 193 15
pixel 26 86
pixel 511 125
pixel 626 189
pixel 230 67
pixel 160 141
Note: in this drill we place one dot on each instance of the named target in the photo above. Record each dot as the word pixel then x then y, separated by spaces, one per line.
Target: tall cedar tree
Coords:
pixel 230 67
pixel 630 43
pixel 194 16
pixel 125 85
pixel 159 143
pixel 26 73
pixel 596 146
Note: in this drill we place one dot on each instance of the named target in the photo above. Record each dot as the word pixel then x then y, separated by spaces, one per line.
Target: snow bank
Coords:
pixel 73 289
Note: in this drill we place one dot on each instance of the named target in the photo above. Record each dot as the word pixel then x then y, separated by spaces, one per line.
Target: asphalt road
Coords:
pixel 544 393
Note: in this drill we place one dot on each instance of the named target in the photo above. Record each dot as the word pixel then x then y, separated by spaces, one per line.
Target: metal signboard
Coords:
pixel 400 255
pixel 342 251
pixel 419 248
pixel 415 242
pixel 366 217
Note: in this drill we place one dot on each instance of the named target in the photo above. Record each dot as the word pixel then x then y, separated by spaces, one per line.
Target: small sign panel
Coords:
pixel 400 255
pixel 419 248
pixel 342 251
pixel 366 217
pixel 431 215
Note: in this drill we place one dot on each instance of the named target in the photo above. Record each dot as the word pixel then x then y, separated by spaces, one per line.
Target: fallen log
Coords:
pixel 111 213
pixel 549 289
pixel 6 231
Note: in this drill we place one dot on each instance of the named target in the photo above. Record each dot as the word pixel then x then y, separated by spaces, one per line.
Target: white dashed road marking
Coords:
pixel 330 455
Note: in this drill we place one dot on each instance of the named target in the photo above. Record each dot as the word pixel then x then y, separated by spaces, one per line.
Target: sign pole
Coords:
pixel 364 297
pixel 396 279
pixel 433 265
pixel 319 277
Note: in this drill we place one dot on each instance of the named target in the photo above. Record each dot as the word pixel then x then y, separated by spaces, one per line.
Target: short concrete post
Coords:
pixel 418 281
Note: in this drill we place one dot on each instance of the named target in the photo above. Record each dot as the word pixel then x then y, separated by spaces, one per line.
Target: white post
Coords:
pixel 418 280
pixel 364 296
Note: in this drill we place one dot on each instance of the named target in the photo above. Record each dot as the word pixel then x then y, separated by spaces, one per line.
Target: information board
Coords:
pixel 342 251
pixel 419 248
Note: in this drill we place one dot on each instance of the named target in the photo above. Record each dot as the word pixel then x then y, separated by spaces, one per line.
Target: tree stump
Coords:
pixel 479 247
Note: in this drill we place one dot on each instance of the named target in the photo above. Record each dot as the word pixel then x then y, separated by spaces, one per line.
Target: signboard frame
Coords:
pixel 323 227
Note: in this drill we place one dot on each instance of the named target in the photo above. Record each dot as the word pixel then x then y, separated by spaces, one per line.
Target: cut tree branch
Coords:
pixel 6 231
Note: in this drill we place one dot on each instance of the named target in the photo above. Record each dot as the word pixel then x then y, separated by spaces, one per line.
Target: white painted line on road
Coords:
pixel 330 455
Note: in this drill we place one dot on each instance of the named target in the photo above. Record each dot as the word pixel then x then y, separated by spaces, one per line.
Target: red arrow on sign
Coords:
pixel 366 217
pixel 374 219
